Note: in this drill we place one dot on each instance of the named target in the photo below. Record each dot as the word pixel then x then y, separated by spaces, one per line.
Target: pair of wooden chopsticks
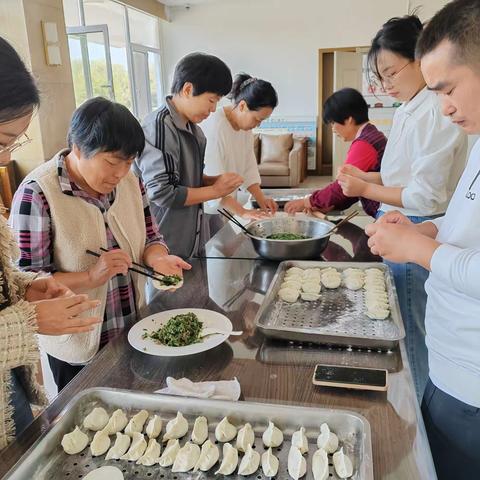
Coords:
pixel 151 272
pixel 345 220
pixel 229 216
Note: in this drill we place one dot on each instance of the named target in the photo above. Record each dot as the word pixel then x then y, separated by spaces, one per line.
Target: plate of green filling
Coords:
pixel 178 332
pixel 287 236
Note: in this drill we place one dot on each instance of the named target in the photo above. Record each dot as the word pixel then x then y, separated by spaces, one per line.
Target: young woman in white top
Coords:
pixel 230 141
pixel 423 161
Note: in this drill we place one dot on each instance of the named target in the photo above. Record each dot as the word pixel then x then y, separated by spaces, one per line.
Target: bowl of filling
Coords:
pixel 286 237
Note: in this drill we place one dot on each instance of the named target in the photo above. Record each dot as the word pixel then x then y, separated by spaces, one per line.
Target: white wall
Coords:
pixel 279 39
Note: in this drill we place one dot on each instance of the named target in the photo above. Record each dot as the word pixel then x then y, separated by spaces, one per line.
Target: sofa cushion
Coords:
pixel 276 148
pixel 273 168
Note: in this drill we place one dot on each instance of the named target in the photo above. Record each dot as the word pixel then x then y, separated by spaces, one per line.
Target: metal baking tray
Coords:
pixel 337 318
pixel 284 195
pixel 46 459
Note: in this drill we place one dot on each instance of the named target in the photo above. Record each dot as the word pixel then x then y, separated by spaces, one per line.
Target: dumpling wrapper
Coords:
pixel 309 297
pixel 320 465
pixel 300 441
pixel 151 455
pixel 225 431
pixel 353 271
pixel 295 270
pixel 176 428
pixel 291 284
pixel 154 427
pixel 162 287
pixel 272 436
pixel 100 443
pixel 311 287
pixel 293 278
pixel 329 270
pixel 74 442
pixel 209 456
pixel 117 422
pixel 289 295
pixel 378 313
pixel 270 464
pixel 245 437
pixel 331 281
pixel 343 464
pixel 96 419
pixel 297 465
pixel 169 454
pixel 136 423
pixel 250 462
pixel 137 447
pixel 120 447
pixel 327 440
pixel 229 461
pixel 105 473
pixel 186 458
pixel 200 430
pixel 353 283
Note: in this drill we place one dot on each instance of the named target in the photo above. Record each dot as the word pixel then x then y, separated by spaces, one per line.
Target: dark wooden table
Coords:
pixel 268 371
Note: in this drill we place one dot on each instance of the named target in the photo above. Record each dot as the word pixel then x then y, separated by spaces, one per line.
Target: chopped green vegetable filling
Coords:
pixel 179 331
pixel 170 280
pixel 287 236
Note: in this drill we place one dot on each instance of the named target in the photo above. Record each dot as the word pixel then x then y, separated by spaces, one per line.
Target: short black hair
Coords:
pixel 399 35
pixel 344 104
pixel 206 73
pixel 100 125
pixel 459 23
pixel 256 93
pixel 18 92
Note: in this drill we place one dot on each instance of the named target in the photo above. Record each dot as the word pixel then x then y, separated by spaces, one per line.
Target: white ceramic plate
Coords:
pixel 154 322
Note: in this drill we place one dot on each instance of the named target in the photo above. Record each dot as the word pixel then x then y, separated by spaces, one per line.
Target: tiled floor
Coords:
pixel 315 182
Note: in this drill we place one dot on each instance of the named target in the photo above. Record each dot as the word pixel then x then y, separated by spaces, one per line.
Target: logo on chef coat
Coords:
pixel 471 195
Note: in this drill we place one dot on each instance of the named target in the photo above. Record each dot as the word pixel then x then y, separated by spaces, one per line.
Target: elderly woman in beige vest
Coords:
pixel 87 198
pixel 27 304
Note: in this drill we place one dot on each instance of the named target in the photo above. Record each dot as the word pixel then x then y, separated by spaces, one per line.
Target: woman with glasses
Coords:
pixel 29 303
pixel 423 161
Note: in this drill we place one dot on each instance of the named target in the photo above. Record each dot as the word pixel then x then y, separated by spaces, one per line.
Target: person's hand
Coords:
pixel 226 184
pixel 44 288
pixel 351 186
pixel 250 214
pixel 395 216
pixel 351 170
pixel 294 206
pixel 109 264
pixel 269 205
pixel 170 265
pixel 59 316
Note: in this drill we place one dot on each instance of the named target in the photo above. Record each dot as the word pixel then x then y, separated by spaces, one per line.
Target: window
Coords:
pixel 115 52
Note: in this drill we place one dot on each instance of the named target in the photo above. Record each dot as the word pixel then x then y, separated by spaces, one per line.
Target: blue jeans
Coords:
pixel 22 413
pixel 410 284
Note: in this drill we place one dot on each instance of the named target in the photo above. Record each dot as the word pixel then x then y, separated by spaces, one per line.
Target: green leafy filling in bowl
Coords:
pixel 287 236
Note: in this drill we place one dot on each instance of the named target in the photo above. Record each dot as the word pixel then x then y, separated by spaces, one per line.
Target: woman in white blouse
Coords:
pixel 230 141
pixel 423 161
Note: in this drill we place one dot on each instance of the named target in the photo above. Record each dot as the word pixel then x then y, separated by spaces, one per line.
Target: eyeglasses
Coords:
pixel 16 145
pixel 389 79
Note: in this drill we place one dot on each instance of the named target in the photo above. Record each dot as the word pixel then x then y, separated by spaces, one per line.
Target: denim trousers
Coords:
pixel 22 413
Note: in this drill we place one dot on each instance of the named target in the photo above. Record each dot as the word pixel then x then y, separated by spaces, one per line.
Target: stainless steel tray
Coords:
pixel 284 195
pixel 337 318
pixel 46 459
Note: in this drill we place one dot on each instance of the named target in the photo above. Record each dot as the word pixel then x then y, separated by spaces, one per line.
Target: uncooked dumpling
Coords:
pixel 327 440
pixel 154 427
pixel 186 458
pixel 105 473
pixel 169 454
pixel 74 442
pixel 200 430
pixel 297 465
pixel 119 448
pixel 229 461
pixel 331 281
pixel 300 441
pixel 160 286
pixel 272 436
pixel 225 431
pixel 245 437
pixel 320 465
pixel 295 271
pixel 378 313
pixel 291 284
pixel 270 464
pixel 96 419
pixel 309 297
pixel 209 456
pixel 137 448
pixel 250 462
pixel 353 283
pixel 151 455
pixel 311 287
pixel 100 443
pixel 117 422
pixel 343 464
pixel 288 295
pixel 176 428
pixel 136 423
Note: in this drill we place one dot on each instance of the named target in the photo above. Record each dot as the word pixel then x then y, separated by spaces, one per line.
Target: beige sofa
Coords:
pixel 282 159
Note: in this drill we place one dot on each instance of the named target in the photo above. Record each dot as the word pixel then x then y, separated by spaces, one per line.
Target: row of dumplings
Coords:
pixel 376 298
pixel 132 445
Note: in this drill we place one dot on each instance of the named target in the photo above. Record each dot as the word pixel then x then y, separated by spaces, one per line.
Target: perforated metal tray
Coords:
pixel 337 318
pixel 46 459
